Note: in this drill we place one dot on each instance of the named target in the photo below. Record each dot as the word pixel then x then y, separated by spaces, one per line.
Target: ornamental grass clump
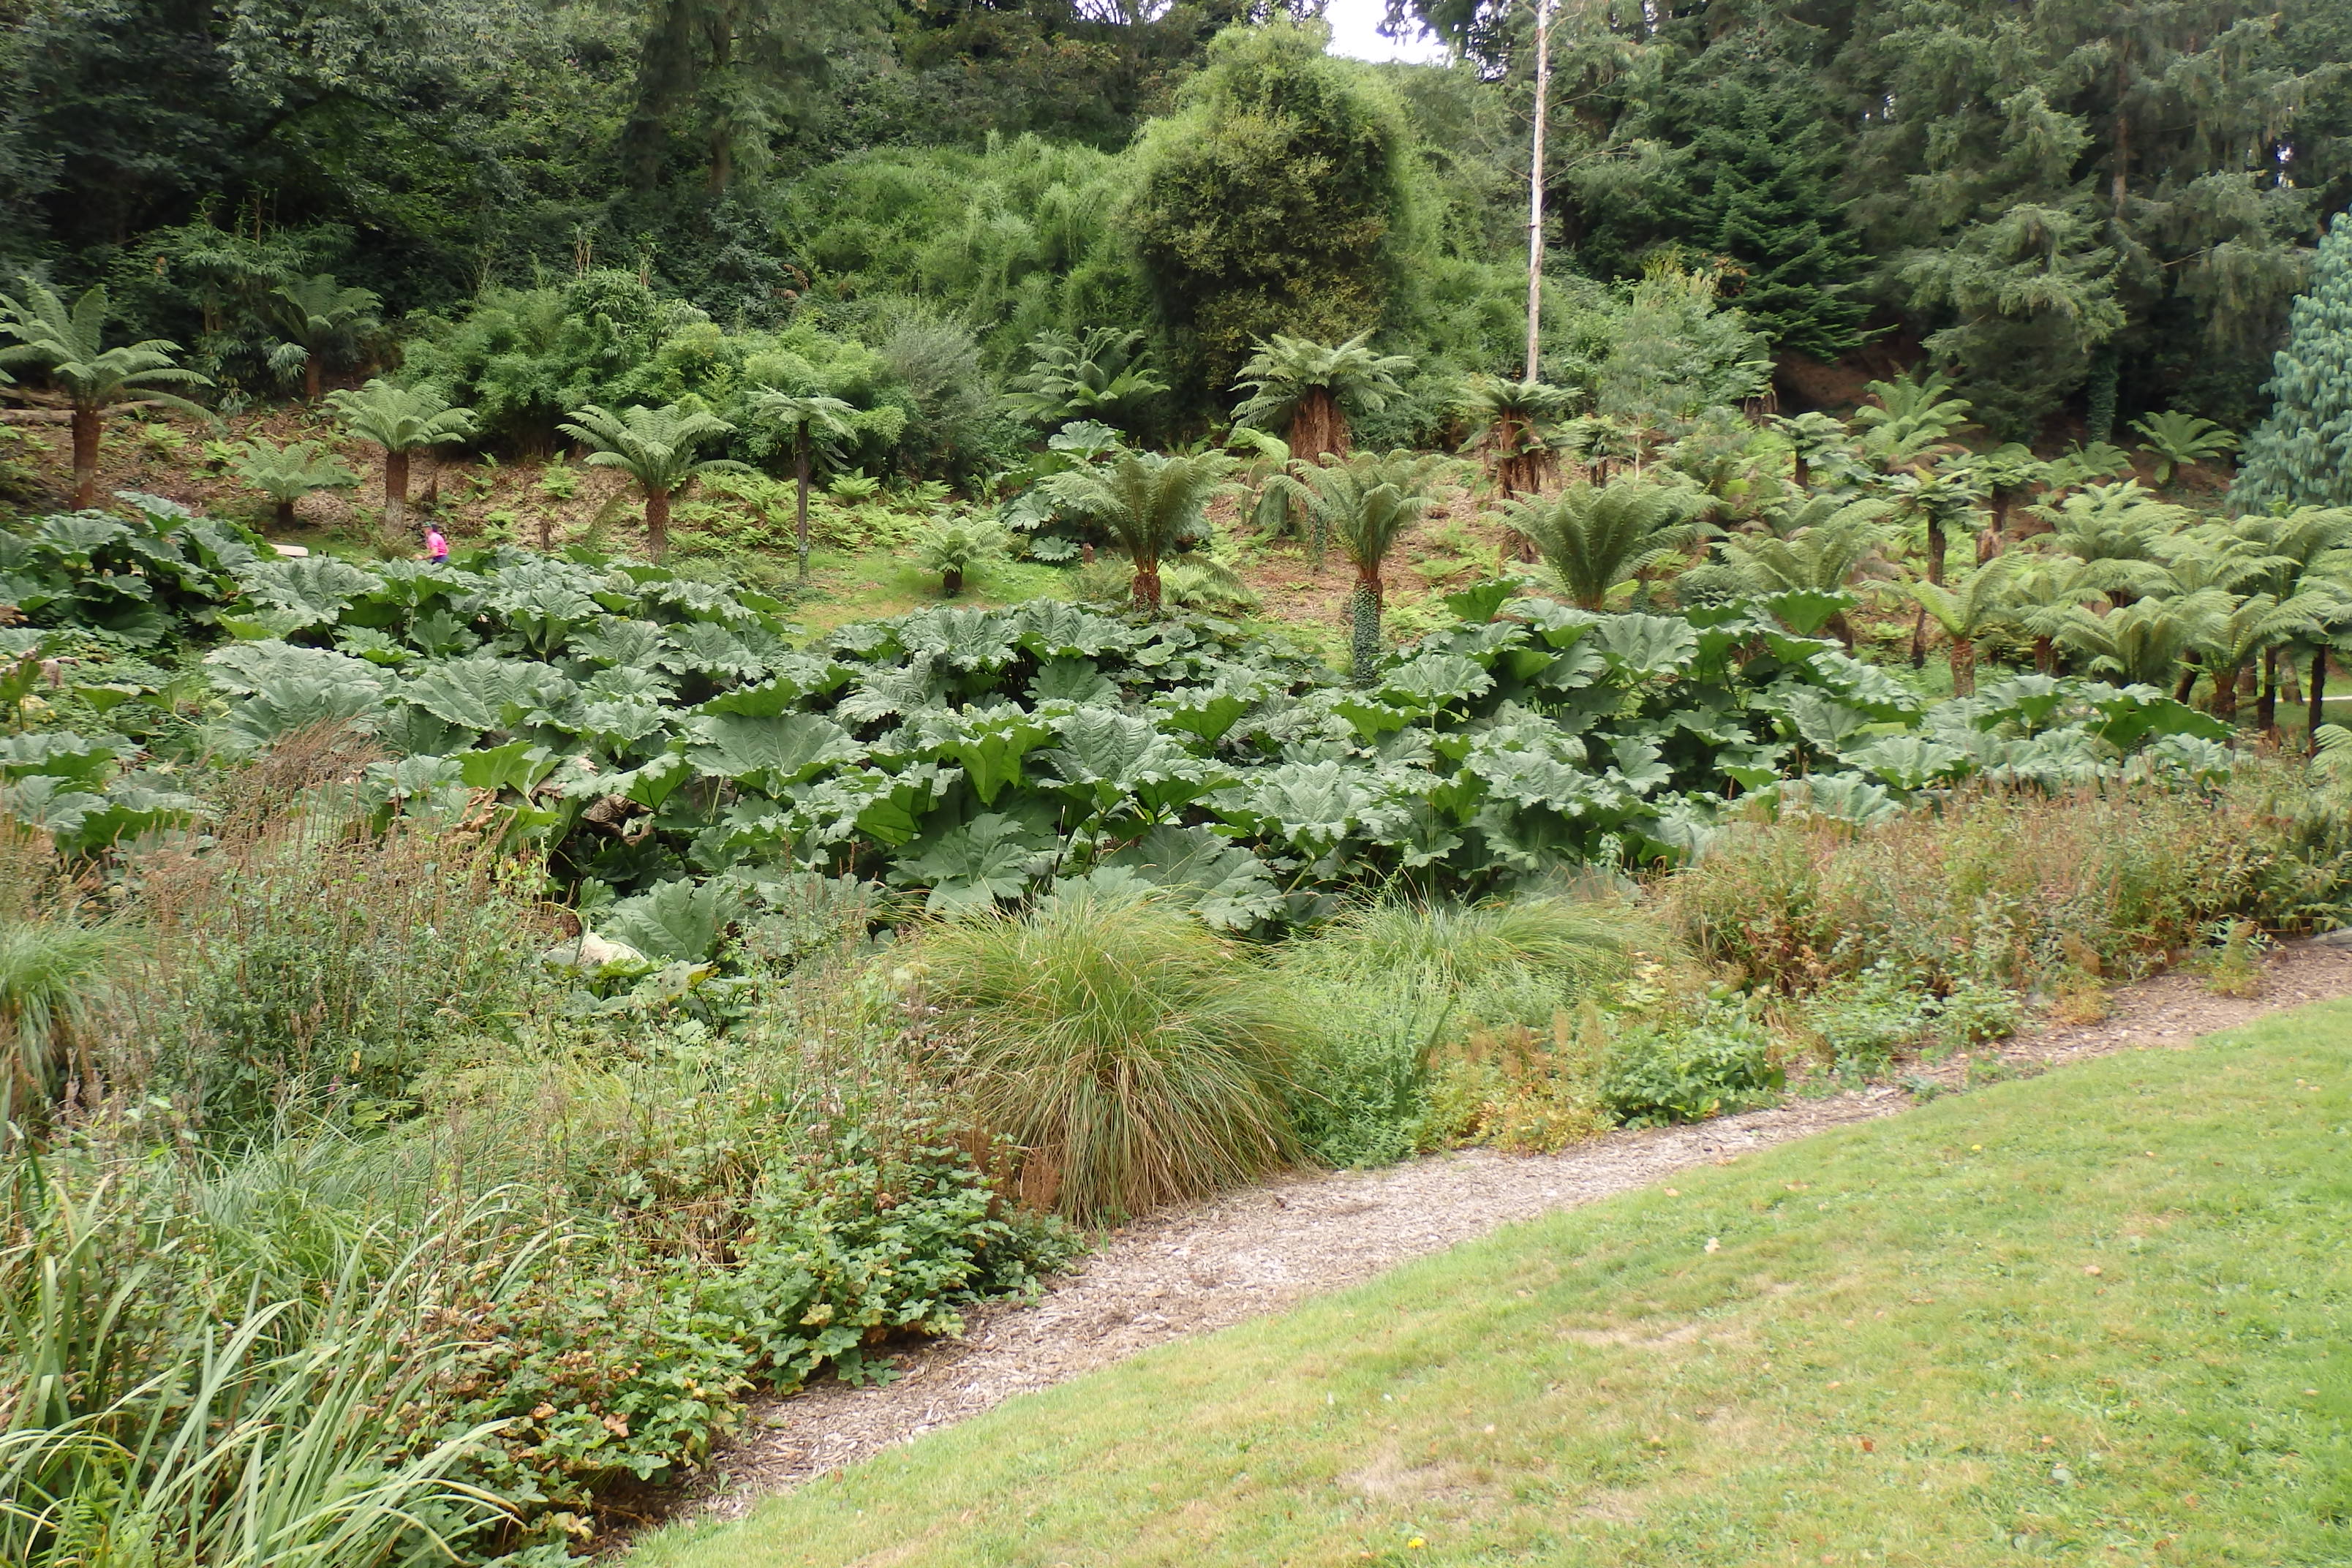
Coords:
pixel 1132 1056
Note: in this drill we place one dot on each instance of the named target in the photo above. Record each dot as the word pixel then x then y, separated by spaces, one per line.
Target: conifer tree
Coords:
pixel 1755 185
pixel 2301 454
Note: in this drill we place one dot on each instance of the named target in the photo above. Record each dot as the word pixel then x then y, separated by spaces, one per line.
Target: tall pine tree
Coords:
pixel 2301 455
pixel 1754 184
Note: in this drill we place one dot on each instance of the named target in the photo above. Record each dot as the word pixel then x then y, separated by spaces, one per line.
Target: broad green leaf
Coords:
pixel 1433 683
pixel 1822 722
pixel 1225 885
pixel 1480 601
pixel 1805 611
pixel 1311 804
pixel 617 643
pixel 59 753
pixel 302 703
pixel 769 752
pixel 1644 647
pixel 1053 630
pixel 517 765
pixel 987 858
pixel 798 677
pixel 988 747
pixel 1068 678
pixel 1909 761
pixel 679 921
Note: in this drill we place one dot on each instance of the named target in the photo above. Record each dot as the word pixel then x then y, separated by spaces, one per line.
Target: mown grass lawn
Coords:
pixel 2094 1317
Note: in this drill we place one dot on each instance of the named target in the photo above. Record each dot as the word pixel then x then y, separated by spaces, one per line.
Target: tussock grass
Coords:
pixel 1133 1056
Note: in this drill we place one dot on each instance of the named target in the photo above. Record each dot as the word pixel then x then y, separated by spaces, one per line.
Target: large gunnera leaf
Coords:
pixel 770 753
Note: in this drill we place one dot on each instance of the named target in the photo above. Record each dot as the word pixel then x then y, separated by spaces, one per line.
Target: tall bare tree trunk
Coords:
pixel 2318 691
pixel 1935 575
pixel 1535 190
pixel 657 522
pixel 1364 606
pixel 87 423
pixel 801 482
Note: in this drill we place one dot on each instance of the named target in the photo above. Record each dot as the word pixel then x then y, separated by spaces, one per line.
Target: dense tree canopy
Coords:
pixel 2093 211
pixel 1273 202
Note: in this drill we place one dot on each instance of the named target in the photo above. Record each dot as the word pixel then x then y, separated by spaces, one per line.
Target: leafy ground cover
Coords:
pixel 2088 1317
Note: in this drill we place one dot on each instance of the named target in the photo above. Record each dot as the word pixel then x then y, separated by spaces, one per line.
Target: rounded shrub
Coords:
pixel 1134 1056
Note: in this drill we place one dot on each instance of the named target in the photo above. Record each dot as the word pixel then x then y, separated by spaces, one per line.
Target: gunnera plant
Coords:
pixel 1133 1056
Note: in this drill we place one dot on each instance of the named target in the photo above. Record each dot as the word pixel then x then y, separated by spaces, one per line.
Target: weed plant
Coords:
pixel 1447 1023
pixel 300 957
pixel 2015 891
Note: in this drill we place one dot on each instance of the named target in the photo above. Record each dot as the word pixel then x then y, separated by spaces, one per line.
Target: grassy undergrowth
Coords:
pixel 2093 1318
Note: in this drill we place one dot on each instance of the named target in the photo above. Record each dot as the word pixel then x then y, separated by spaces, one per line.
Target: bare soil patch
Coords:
pixel 1246 1254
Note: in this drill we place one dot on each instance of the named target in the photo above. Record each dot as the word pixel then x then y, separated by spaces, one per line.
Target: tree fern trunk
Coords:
pixel 2266 705
pixel 1963 655
pixel 1147 586
pixel 395 489
pixel 657 522
pixel 87 425
pixel 2225 693
pixel 951 581
pixel 1364 631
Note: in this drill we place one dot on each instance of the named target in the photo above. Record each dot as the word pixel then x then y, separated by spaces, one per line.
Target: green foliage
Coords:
pixel 1752 177
pixel 1135 1058
pixel 2297 456
pixel 318 315
pixel 303 965
pixel 210 1421
pixel 1597 537
pixel 2009 890
pixel 1717 1061
pixel 54 974
pixel 286 474
pixel 1511 421
pixel 1096 375
pixel 68 342
pixel 1149 503
pixel 1276 200
pixel 952 546
pixel 1307 387
pixel 2179 439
